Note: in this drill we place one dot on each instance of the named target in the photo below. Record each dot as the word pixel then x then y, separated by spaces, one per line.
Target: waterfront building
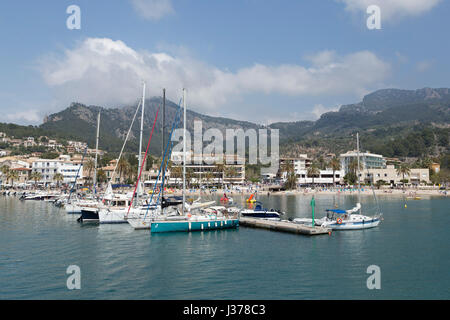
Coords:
pixel 48 168
pixel 301 165
pixel 367 159
pixel 390 176
pixel 209 169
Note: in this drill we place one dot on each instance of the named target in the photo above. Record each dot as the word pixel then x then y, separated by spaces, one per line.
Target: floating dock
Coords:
pixel 283 226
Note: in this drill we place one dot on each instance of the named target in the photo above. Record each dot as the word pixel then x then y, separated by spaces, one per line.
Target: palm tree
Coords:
pixel 288 167
pixel 221 169
pixel 353 166
pixel 36 176
pixel 353 169
pixel 123 167
pixel 230 172
pixel 12 175
pixel 189 176
pixel 176 172
pixel 58 177
pixel 335 165
pixel 403 169
pixel 313 171
pixel 209 176
pixel 89 166
pixel 101 176
pixel 5 171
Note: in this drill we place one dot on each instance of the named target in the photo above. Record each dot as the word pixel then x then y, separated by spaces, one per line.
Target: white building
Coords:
pixel 367 159
pixel 390 176
pixel 301 165
pixel 208 169
pixel 62 165
pixel 70 171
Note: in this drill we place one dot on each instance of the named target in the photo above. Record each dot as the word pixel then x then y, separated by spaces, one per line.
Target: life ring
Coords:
pixel 339 221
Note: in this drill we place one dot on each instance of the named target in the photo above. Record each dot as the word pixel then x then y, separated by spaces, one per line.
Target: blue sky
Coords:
pixel 262 61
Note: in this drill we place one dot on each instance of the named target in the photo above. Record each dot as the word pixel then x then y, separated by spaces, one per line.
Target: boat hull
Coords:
pixel 190 226
pixel 367 224
pixel 89 215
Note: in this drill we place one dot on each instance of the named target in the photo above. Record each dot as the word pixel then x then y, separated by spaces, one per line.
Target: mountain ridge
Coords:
pixel 387 119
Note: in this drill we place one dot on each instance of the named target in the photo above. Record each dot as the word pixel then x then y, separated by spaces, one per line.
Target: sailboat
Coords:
pixel 352 219
pixel 90 212
pixel 187 221
pixel 108 215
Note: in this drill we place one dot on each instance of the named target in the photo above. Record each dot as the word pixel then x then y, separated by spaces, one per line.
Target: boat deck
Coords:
pixel 283 226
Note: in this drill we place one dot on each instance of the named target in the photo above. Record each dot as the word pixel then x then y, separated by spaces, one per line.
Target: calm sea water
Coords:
pixel 411 246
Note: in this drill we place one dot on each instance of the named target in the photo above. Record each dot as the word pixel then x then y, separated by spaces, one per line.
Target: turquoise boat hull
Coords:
pixel 190 226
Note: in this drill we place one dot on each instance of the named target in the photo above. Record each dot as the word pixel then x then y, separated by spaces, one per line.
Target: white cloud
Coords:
pixel 153 9
pixel 392 9
pixel 107 72
pixel 423 66
pixel 319 110
pixel 28 116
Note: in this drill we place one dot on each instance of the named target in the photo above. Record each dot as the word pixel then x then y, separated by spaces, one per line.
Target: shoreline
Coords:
pixel 409 193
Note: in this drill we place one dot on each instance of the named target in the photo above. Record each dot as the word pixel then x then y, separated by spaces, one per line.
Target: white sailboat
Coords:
pixel 352 219
pixel 188 221
pixel 111 215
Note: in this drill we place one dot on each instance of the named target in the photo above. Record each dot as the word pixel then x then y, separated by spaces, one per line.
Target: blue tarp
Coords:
pixel 337 211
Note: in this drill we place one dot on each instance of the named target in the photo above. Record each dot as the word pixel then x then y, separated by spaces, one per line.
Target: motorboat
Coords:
pixel 261 213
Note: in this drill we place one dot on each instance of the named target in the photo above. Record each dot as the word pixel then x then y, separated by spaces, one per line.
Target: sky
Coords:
pixel 261 61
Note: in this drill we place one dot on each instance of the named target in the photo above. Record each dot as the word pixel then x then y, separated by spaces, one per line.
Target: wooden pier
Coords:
pixel 283 226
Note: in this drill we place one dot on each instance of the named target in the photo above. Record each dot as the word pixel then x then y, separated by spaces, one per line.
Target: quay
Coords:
pixel 283 226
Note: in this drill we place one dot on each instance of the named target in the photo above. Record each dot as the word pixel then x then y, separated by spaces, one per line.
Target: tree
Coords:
pixel 353 166
pixel 12 175
pixel 209 176
pixel 123 166
pixel 230 172
pixel 189 176
pixel 403 170
pixel 287 166
pixel 177 173
pixel 335 165
pixel 313 171
pixel 58 177
pixel 89 166
pixel 36 176
pixel 101 176
pixel 221 169
pixel 5 170
pixel 380 183
pixel 350 178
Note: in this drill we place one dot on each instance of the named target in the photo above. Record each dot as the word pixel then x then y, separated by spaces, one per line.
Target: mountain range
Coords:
pixel 393 122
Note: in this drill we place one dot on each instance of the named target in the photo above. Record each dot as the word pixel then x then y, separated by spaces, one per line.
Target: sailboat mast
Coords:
pixel 140 140
pixel 96 152
pixel 162 146
pixel 184 149
pixel 358 175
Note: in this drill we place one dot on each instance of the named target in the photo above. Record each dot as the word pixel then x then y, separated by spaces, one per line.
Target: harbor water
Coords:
pixel 38 242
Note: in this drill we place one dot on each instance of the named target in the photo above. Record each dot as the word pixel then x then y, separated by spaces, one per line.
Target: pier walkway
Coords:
pixel 283 226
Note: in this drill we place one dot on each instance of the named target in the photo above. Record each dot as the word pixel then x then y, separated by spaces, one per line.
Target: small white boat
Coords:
pixel 343 220
pixel 261 213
